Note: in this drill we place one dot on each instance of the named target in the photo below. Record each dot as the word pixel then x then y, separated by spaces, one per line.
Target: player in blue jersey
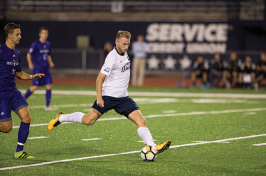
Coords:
pixel 10 96
pixel 40 61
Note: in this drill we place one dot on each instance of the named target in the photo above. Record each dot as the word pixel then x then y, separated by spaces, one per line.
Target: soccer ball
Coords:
pixel 148 153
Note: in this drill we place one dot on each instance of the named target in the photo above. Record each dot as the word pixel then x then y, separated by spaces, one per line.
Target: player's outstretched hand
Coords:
pixel 38 75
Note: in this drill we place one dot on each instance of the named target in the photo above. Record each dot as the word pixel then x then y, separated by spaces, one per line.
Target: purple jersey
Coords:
pixel 9 65
pixel 40 52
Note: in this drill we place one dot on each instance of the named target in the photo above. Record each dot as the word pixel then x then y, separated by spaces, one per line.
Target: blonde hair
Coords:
pixel 121 34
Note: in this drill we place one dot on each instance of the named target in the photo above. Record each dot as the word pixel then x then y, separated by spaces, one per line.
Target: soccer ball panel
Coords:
pixel 148 153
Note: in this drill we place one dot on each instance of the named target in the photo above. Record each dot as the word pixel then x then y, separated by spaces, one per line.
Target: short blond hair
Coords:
pixel 121 34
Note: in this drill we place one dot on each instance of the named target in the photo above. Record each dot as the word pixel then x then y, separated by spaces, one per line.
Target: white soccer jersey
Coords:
pixel 117 70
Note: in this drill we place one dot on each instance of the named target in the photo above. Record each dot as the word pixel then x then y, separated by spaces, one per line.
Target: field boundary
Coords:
pixel 125 153
pixel 159 94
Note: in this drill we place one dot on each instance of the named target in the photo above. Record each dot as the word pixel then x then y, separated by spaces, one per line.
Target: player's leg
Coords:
pixel 30 91
pixel 144 132
pixel 141 72
pixel 5 117
pixel 23 132
pixel 48 81
pixel 20 106
pixel 6 126
pixel 234 78
pixel 76 117
pixel 135 71
pixel 193 78
pixel 48 96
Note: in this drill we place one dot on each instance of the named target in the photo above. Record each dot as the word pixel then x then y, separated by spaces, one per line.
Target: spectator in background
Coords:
pixel 216 70
pixel 261 69
pixel 40 61
pixel 247 76
pixel 107 48
pixel 200 70
pixel 230 74
pixel 139 51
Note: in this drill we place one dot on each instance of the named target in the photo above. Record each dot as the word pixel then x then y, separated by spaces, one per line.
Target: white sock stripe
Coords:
pixel 20 143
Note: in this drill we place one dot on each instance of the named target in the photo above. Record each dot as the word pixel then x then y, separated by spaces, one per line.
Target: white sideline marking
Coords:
pixel 171 115
pixel 159 94
pixel 125 153
pixel 40 137
pixel 259 144
pixel 62 106
pixel 169 111
pixel 251 113
pixel 92 139
pixel 205 141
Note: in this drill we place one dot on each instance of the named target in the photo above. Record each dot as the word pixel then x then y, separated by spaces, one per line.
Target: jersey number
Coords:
pixel 45 56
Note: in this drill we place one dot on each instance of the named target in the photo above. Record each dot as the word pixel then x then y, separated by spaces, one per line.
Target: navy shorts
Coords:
pixel 47 79
pixel 123 106
pixel 15 101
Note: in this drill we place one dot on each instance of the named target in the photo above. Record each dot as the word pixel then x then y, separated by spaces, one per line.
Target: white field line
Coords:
pixel 173 115
pixel 205 141
pixel 259 144
pixel 125 153
pixel 159 94
pixel 62 106
pixel 92 139
pixel 40 137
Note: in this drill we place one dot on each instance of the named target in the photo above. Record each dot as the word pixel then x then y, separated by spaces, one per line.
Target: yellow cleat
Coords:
pixel 162 147
pixel 22 154
pixel 54 122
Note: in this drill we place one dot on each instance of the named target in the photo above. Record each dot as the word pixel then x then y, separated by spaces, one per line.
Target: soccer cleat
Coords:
pixel 162 147
pixel 22 154
pixel 54 122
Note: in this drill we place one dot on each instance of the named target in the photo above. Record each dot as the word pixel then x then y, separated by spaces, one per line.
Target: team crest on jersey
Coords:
pixel 107 69
pixel 14 63
pixel 126 67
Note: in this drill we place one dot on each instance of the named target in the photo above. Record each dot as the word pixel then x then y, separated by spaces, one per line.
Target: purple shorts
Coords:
pixel 47 79
pixel 14 101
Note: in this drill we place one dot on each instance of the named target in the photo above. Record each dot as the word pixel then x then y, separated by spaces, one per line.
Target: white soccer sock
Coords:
pixel 74 117
pixel 145 135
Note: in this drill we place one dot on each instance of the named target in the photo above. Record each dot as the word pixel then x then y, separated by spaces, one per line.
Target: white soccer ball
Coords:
pixel 148 153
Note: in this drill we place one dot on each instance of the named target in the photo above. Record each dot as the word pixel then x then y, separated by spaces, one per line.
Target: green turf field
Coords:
pixel 220 134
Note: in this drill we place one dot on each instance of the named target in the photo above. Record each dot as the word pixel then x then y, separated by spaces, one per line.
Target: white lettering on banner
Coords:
pixel 206 48
pixel 161 36
pixel 156 47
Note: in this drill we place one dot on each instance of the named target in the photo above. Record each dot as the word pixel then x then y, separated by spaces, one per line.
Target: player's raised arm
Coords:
pixel 99 84
pixel 23 75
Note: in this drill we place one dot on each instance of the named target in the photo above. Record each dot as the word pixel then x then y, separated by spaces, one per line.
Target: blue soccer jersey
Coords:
pixel 40 52
pixel 10 96
pixel 9 65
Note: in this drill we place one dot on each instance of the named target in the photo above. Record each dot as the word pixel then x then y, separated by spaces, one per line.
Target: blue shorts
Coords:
pixel 47 79
pixel 123 106
pixel 15 101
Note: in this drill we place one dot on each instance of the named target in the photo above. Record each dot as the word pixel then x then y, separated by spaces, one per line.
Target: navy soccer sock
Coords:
pixel 23 133
pixel 27 94
pixel 48 96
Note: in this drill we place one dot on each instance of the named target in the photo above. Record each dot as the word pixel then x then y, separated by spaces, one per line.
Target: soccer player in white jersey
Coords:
pixel 111 86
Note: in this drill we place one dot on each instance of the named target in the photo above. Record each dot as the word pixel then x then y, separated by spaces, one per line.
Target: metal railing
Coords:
pixel 118 6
